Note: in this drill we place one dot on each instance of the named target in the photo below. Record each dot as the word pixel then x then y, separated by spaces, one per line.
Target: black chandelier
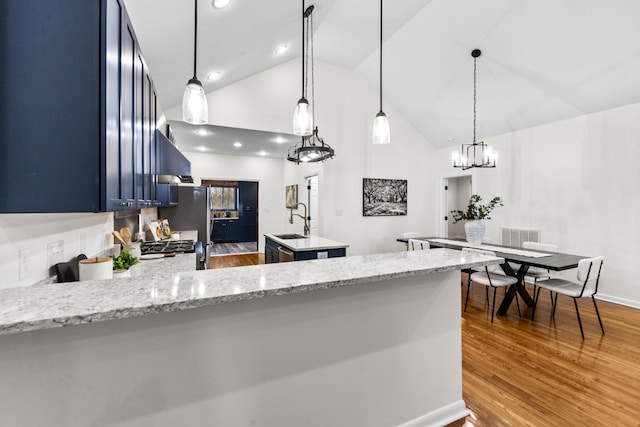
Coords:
pixel 476 154
pixel 311 147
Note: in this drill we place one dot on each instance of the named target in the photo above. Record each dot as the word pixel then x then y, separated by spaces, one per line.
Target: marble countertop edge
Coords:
pixel 214 287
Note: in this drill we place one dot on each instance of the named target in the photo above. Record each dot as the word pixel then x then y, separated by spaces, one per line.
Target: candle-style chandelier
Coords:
pixel 475 154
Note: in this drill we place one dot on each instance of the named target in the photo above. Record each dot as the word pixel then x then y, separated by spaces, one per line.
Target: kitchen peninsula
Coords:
pixel 362 340
pixel 297 247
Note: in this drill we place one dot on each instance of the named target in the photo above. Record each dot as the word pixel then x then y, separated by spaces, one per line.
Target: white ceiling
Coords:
pixel 542 60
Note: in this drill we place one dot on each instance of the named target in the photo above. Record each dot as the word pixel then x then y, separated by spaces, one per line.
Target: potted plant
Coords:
pixel 475 213
pixel 122 263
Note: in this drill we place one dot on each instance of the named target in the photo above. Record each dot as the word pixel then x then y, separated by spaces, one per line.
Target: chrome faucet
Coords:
pixel 291 214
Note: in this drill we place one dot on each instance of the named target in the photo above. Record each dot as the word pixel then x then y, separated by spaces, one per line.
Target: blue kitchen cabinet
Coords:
pixel 225 231
pixel 72 108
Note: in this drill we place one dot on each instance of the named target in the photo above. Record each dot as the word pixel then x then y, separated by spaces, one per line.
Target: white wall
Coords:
pixel 345 107
pixel 576 180
pixel 268 173
pixel 31 233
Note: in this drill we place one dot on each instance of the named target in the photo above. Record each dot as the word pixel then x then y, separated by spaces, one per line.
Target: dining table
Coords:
pixel 525 258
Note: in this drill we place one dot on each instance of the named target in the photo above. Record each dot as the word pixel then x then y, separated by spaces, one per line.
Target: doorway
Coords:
pixel 458 191
pixel 234 217
pixel 312 202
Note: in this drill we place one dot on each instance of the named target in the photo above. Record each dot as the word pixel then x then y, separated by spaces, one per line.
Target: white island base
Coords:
pixel 385 353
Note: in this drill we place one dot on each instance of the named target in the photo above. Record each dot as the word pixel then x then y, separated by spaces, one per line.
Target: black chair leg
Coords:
pixel 493 306
pixel 597 313
pixel 518 305
pixel 555 304
pixel 466 300
pixel 486 293
pixel 575 302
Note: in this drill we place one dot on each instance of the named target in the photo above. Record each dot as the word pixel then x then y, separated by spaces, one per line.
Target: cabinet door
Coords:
pixel 138 130
pixel 127 108
pixel 148 187
pixel 219 228
pixel 113 95
pixel 248 211
pixel 231 231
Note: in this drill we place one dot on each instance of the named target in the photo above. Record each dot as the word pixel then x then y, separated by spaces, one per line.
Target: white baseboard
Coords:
pixel 441 416
pixel 618 300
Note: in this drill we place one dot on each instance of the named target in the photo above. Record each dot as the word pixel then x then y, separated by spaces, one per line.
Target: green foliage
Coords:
pixel 124 260
pixel 475 210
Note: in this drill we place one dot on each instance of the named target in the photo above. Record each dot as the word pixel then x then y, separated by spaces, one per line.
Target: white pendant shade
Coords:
pixel 381 131
pixel 302 119
pixel 194 104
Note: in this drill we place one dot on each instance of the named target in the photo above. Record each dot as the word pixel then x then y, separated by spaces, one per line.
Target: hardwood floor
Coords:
pixel 236 260
pixel 518 372
pixel 521 373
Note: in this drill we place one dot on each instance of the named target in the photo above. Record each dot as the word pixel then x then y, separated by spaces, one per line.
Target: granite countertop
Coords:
pixel 48 306
pixel 309 243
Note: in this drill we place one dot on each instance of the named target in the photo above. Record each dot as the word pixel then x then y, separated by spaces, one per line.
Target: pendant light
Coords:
pixel 194 101
pixel 302 116
pixel 381 131
pixel 311 147
pixel 476 154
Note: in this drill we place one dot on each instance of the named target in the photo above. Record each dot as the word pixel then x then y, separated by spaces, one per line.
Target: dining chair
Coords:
pixel 588 275
pixel 489 278
pixel 536 273
pixel 417 245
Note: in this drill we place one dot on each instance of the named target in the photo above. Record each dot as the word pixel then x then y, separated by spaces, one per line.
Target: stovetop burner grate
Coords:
pixel 168 246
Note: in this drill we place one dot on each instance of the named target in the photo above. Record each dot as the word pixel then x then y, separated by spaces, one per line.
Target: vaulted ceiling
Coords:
pixel 542 61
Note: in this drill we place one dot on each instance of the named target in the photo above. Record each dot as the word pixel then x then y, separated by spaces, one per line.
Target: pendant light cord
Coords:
pixel 310 53
pixel 195 37
pixel 380 55
pixel 304 57
pixel 474 99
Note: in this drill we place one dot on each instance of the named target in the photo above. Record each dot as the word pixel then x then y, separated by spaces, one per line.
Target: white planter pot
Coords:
pixel 475 232
pixel 120 274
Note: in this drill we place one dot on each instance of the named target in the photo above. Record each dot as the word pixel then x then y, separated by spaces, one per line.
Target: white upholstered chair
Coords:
pixel 588 276
pixel 417 245
pixel 536 273
pixel 489 278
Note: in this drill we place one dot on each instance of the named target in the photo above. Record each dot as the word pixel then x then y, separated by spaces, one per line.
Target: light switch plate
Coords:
pixel 55 253
pixel 24 264
pixel 323 255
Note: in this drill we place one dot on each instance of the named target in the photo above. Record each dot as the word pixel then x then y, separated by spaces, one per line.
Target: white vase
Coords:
pixel 475 232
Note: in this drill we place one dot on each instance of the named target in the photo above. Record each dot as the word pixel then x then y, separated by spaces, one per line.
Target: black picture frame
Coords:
pixel 384 197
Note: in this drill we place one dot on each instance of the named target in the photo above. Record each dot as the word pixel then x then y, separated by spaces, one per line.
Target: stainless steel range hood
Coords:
pixel 170 162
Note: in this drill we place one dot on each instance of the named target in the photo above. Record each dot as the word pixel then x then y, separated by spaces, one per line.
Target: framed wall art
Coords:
pixel 384 197
pixel 291 195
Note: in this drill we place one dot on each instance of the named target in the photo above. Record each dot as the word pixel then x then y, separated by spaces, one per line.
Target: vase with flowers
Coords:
pixel 474 215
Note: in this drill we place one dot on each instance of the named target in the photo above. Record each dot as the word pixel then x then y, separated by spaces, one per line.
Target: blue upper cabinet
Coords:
pixel 77 109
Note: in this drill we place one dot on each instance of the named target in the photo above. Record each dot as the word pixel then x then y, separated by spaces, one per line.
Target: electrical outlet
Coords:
pixel 83 243
pixel 24 264
pixel 55 253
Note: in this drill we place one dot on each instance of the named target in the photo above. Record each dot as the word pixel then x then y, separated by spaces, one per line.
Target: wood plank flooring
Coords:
pixel 522 373
pixel 518 372
pixel 236 260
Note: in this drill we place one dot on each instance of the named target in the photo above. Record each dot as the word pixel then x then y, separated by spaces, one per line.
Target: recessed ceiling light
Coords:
pixel 203 132
pixel 281 49
pixel 263 153
pixel 203 148
pixel 219 4
pixel 237 144
pixel 280 140
pixel 214 76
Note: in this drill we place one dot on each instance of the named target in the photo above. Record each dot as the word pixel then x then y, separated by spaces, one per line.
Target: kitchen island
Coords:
pixel 368 340
pixel 297 247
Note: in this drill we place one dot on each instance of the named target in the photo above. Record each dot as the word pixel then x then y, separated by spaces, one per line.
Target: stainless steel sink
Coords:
pixel 290 236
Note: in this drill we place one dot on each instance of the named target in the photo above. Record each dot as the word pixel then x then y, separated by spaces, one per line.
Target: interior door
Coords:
pixel 458 194
pixel 312 202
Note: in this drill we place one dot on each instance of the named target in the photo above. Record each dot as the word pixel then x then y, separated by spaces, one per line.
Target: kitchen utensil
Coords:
pixel 119 237
pixel 125 232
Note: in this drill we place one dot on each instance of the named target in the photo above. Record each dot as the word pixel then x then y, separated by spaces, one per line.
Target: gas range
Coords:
pixel 168 246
